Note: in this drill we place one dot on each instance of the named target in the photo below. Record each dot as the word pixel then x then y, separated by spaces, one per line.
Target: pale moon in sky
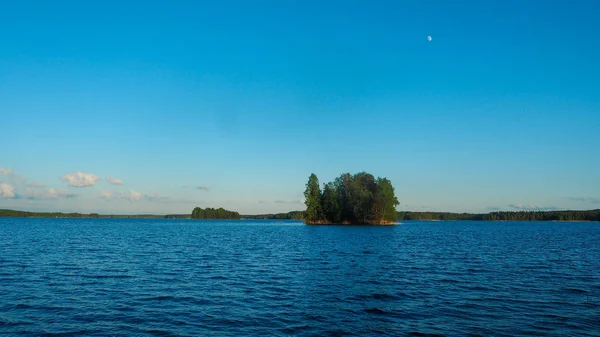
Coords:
pixel 429 38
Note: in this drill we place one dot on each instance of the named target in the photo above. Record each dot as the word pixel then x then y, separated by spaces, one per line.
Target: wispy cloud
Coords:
pixel 532 207
pixel 11 174
pixel 105 195
pixel 294 202
pixel 7 191
pixel 132 196
pixel 36 185
pixel 288 202
pixel 79 179
pixel 492 208
pixel 584 199
pixel 51 193
pixel 201 187
pixel 155 196
pixel 114 181
pixel 54 193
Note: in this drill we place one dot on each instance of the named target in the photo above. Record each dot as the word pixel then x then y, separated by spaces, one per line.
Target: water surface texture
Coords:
pixel 190 278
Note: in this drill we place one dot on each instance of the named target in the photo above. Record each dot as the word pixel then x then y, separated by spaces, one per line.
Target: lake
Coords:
pixel 136 277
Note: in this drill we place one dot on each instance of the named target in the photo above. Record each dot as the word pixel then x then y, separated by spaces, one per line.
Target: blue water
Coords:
pixel 192 278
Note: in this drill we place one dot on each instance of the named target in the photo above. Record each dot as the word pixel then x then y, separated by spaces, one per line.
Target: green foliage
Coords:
pixel 341 188
pixel 330 203
pixel 312 199
pixel 361 196
pixel 385 200
pixel 354 199
pixel 214 214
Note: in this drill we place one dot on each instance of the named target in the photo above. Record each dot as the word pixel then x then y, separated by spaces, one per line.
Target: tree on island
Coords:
pixel 312 199
pixel 214 214
pixel 350 199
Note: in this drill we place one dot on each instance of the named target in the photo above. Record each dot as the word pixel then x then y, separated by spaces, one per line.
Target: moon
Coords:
pixel 429 38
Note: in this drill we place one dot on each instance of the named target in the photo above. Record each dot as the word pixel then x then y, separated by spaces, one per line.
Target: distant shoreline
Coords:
pixel 327 223
pixel 521 216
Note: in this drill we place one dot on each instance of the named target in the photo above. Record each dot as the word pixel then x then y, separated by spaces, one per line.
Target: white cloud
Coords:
pixel 7 191
pixel 11 174
pixel 114 181
pixel 80 179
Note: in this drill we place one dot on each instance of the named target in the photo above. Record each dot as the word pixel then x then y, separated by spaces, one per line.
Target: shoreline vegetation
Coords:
pixel 347 223
pixel 8 213
pixel 550 216
pixel 566 215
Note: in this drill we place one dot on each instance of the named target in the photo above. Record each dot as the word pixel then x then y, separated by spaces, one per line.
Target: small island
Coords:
pixel 359 199
pixel 214 214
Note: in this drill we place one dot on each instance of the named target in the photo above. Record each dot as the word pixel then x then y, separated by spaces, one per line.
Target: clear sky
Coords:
pixel 160 106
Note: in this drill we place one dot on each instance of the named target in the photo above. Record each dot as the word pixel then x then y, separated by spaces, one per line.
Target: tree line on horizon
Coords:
pixel 568 215
pixel 589 215
pixel 350 199
pixel 27 214
pixel 293 215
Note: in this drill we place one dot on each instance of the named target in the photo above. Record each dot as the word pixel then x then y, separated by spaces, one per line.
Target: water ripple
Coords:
pixel 99 277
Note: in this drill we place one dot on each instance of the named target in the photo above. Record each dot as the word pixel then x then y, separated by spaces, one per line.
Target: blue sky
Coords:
pixel 235 103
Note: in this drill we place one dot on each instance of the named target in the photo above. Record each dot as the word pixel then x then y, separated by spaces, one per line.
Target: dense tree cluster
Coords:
pixel 352 199
pixel 293 215
pixel 591 215
pixel 214 214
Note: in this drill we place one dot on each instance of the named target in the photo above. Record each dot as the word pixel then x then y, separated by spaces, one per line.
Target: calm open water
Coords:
pixel 122 277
